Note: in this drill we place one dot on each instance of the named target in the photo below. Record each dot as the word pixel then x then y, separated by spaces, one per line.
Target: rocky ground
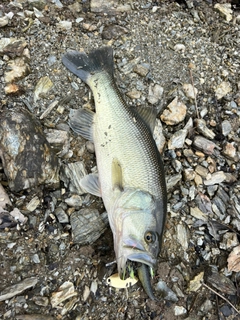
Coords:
pixel 181 57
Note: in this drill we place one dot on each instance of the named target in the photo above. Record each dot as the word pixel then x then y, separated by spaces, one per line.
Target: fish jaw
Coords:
pixel 135 229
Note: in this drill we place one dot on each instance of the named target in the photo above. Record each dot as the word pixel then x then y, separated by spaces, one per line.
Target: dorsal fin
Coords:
pixel 148 115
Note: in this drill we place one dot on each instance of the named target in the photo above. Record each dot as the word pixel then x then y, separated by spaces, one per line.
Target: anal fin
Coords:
pixel 81 121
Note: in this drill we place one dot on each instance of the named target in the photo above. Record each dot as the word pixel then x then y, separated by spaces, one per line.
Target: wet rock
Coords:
pixel 225 10
pixel 18 70
pixel 222 90
pixel 65 292
pixel 18 288
pixel 174 113
pixel 28 159
pixel 61 215
pixel 43 86
pixel 190 91
pixel 155 93
pixel 87 225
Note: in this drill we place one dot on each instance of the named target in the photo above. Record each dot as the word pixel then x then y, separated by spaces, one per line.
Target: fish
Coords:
pixel 131 178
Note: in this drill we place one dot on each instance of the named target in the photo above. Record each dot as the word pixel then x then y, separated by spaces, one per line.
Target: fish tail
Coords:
pixel 84 66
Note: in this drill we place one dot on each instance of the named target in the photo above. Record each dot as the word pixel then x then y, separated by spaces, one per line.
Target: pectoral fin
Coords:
pixel 81 121
pixel 117 182
pixel 90 183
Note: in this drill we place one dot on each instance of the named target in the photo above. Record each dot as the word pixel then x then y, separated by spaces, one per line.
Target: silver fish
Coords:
pixel 130 176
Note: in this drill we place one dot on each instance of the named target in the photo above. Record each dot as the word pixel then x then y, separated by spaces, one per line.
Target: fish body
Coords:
pixel 130 177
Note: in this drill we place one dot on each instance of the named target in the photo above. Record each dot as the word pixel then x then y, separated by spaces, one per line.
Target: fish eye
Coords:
pixel 150 237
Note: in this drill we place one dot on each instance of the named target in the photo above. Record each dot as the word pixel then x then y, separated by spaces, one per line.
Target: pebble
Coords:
pixel 174 113
pixel 179 47
pixel 74 201
pixel 226 127
pixel 134 94
pixel 189 174
pixel 4 198
pixel 179 310
pixel 230 151
pixel 33 204
pixel 109 7
pixel 166 292
pixel 71 174
pixel 222 90
pixel 198 214
pixel 190 91
pixel 43 86
pixel 173 180
pixel 3 21
pixel 203 129
pixel 177 139
pixel 202 171
pixel 215 178
pixel 18 70
pixel 204 144
pixel 225 10
pixel 64 25
pixel 142 69
pixel 64 292
pixel 155 93
pixel 159 136
pixel 183 236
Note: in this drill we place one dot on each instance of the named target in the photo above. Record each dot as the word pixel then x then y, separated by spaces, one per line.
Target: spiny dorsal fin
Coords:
pixel 148 115
pixel 117 175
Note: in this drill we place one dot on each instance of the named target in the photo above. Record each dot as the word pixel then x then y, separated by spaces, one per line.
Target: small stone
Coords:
pixel 64 292
pixel 61 215
pixel 109 6
pixel 230 151
pixel 183 236
pixel 174 113
pixel 142 69
pixel 177 139
pixel 35 258
pixel 179 310
pixel 189 174
pixel 86 293
pixel 166 292
pixel 173 180
pixel 234 260
pixel 3 21
pixel 202 171
pixel 155 93
pixel 203 129
pixel 74 201
pixel 64 25
pixel 159 136
pixel 12 88
pixel 198 214
pixel 190 91
pixel 222 90
pixel 179 47
pixel 134 94
pixel 215 178
pixel 196 283
pixel 18 70
pixel 4 198
pixel 94 287
pixel 198 180
pixel 89 26
pixel 226 127
pixel 43 86
pixel 33 204
pixel 204 144
pixel 225 10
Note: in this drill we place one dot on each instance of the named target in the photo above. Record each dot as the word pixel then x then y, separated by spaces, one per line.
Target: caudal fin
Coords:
pixel 84 66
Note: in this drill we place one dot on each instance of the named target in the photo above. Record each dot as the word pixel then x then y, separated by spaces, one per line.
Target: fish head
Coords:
pixel 137 231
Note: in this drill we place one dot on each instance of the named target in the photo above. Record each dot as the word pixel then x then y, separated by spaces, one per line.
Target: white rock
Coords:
pixel 215 178
pixel 177 139
pixel 155 93
pixel 222 90
pixel 178 310
pixel 179 47
pixel 158 136
pixel 174 113
pixel 225 10
pixel 190 91
pixel 182 236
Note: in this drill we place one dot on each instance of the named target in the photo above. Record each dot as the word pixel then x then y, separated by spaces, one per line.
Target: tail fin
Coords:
pixel 84 66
